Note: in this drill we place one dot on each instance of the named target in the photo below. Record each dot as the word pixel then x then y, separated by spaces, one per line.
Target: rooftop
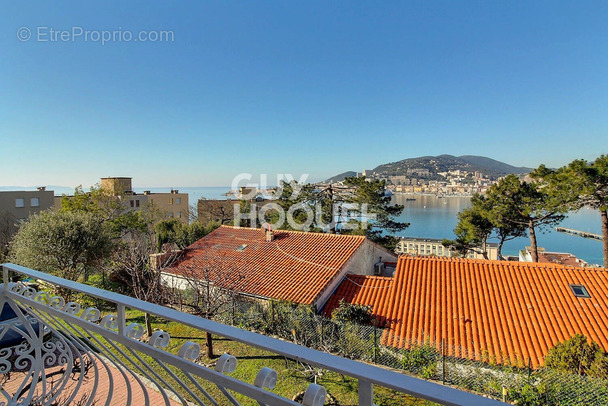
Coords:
pixel 502 309
pixel 294 266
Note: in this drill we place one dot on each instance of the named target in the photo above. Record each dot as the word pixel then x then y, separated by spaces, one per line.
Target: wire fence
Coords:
pixel 513 382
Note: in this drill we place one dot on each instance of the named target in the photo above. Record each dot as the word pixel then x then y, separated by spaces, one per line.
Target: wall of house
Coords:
pixel 360 263
pixel 363 260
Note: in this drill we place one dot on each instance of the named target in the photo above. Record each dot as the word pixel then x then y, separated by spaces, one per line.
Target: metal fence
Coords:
pixel 514 382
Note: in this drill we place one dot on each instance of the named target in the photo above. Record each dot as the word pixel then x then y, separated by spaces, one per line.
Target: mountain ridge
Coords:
pixel 428 167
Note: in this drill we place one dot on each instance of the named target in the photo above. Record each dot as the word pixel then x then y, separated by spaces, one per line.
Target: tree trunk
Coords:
pixel 484 247
pixel 500 243
pixel 533 245
pixel 209 345
pixel 149 324
pixel 604 214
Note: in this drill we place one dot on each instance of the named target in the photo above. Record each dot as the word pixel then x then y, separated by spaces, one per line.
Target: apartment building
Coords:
pixel 23 203
pixel 434 247
pixel 173 204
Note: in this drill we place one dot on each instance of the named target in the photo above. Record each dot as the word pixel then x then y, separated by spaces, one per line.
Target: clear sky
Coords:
pixel 316 87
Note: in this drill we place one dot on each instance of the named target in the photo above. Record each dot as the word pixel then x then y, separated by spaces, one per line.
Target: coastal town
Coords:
pixel 253 267
pixel 304 203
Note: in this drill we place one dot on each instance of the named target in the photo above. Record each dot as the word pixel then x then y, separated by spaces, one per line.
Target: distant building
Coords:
pixel 433 247
pixel 561 258
pixel 22 204
pixel 173 204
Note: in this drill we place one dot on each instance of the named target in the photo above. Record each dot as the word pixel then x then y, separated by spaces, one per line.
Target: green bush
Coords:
pixel 578 356
pixel 355 313
pixel 421 359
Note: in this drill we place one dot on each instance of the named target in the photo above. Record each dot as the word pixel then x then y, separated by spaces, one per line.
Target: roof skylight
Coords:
pixel 580 291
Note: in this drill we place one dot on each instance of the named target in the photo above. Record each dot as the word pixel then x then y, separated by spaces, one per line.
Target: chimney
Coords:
pixel 41 188
pixel 268 233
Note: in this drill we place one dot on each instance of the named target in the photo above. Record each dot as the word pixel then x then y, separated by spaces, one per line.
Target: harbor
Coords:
pixel 579 233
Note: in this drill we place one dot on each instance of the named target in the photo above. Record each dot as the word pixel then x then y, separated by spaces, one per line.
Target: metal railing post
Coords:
pixel 366 393
pixel 120 313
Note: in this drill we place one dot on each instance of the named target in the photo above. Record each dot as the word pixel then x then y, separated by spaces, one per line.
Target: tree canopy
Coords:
pixel 69 245
pixel 357 206
pixel 583 184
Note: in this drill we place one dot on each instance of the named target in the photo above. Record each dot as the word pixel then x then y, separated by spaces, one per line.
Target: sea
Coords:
pixel 434 217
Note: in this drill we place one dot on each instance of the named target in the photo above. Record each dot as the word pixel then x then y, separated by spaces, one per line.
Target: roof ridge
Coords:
pixel 353 236
pixel 547 265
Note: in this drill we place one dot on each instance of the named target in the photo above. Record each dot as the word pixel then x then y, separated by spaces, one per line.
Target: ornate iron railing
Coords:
pixel 70 355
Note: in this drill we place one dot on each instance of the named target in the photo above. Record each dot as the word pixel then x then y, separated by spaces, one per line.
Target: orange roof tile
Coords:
pixel 361 289
pixel 502 310
pixel 295 266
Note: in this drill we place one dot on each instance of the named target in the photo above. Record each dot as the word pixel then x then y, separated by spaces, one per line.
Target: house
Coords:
pixel 484 310
pixel 295 266
pixel 562 258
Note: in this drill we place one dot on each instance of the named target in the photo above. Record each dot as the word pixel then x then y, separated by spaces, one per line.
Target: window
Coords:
pixel 132 203
pixel 178 200
pixel 19 202
pixel 179 214
pixel 34 202
pixel 170 200
pixel 137 203
pixel 580 291
pixel 171 214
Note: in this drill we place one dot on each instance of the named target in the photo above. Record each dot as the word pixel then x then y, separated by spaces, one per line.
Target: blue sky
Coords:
pixel 316 87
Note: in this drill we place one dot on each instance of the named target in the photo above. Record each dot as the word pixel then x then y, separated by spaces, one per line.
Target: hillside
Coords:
pixel 429 166
pixel 341 177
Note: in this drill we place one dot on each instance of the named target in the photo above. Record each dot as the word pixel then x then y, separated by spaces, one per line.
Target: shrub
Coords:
pixel 578 356
pixel 353 312
pixel 421 359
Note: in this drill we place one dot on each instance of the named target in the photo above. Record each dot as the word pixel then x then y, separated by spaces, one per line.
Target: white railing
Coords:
pixel 97 355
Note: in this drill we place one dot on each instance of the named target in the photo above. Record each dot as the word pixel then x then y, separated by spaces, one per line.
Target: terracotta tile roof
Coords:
pixel 489 310
pixel 296 266
pixel 361 289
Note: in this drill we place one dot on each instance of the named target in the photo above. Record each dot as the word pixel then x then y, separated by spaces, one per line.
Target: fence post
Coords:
pixel 529 366
pixel 375 342
pixel 233 309
pixel 321 339
pixel 443 361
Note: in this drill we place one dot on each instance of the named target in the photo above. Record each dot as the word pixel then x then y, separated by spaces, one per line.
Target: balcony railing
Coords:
pixel 74 355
